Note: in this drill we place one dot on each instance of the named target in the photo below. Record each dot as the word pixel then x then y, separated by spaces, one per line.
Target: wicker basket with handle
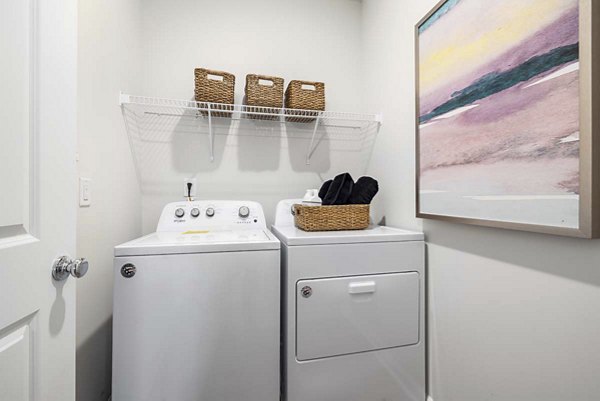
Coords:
pixel 304 95
pixel 331 218
pixel 264 91
pixel 215 87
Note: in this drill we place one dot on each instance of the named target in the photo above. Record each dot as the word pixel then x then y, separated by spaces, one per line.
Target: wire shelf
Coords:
pixel 151 120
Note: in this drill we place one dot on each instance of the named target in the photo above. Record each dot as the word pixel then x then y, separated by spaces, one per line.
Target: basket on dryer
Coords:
pixel 331 218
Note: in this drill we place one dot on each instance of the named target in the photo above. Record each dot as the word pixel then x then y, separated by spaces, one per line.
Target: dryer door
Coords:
pixel 345 315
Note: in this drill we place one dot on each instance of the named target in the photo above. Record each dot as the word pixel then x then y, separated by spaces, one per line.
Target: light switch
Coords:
pixel 85 191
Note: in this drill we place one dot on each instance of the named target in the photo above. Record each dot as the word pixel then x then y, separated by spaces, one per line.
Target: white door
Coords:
pixel 38 41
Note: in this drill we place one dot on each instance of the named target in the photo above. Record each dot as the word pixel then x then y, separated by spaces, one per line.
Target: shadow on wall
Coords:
pixel 571 258
pixel 94 356
pixel 191 143
pixel 173 142
pixel 258 145
pixel 302 145
pixel 258 141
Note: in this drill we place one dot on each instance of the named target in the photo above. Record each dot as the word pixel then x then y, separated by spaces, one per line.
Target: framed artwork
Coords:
pixel 505 94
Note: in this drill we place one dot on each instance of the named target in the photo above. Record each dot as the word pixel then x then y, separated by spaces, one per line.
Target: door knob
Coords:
pixel 64 266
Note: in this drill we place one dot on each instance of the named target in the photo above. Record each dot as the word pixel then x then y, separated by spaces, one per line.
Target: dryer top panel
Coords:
pixel 292 236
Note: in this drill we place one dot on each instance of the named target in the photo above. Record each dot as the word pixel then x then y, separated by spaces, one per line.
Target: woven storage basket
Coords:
pixel 211 89
pixel 264 94
pixel 304 95
pixel 331 218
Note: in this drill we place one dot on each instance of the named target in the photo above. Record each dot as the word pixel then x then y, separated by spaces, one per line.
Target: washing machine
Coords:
pixel 353 313
pixel 196 307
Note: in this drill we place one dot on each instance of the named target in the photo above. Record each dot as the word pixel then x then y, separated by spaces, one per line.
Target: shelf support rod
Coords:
pixel 312 141
pixel 211 135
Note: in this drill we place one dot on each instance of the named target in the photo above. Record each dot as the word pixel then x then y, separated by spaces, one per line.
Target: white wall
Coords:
pixel 512 316
pixel 109 61
pixel 311 39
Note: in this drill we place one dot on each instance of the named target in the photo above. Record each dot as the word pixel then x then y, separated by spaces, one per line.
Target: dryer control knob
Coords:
pixel 210 212
pixel 195 212
pixel 244 212
pixel 179 213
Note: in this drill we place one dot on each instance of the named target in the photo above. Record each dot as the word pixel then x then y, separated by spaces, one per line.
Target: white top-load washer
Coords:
pixel 353 313
pixel 196 307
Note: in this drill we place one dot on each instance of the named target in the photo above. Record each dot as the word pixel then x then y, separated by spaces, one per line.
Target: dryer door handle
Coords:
pixel 361 287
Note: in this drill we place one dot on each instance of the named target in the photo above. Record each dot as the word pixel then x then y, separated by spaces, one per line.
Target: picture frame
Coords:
pixel 588 202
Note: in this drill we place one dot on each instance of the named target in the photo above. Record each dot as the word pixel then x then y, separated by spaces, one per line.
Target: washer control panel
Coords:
pixel 207 215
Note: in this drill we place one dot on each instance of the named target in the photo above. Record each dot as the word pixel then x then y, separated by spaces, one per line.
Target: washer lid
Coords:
pixel 292 236
pixel 164 243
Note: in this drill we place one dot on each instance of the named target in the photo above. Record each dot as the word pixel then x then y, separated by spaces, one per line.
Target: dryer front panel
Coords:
pixel 347 315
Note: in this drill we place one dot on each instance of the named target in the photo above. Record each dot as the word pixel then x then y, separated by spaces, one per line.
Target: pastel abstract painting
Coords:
pixel 498 114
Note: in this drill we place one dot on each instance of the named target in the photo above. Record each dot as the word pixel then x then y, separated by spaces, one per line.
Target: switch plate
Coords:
pixel 85 191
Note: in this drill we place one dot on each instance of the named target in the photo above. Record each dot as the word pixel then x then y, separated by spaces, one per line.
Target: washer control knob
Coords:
pixel 179 213
pixel 244 212
pixel 195 212
pixel 210 212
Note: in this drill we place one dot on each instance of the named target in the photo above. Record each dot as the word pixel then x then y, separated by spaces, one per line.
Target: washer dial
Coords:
pixel 179 213
pixel 244 212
